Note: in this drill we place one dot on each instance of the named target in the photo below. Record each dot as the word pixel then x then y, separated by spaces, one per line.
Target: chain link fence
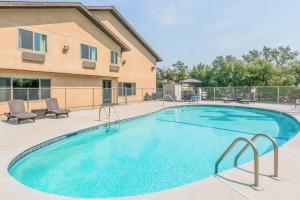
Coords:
pixel 265 94
pixel 73 98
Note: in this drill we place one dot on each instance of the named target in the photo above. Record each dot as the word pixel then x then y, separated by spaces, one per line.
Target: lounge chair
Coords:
pixel 250 98
pixel 231 98
pixel 53 108
pixel 17 111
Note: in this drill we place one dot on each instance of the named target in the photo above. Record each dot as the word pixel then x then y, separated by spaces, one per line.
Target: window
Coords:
pixel 114 58
pixel 88 52
pixel 127 89
pixel 45 83
pixel 20 90
pixel 45 88
pixel 40 42
pixel 32 41
pixel 24 88
pixel 25 39
pixel 5 84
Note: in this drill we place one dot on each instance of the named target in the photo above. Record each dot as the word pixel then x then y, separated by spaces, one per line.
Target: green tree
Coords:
pixel 180 70
pixel 267 67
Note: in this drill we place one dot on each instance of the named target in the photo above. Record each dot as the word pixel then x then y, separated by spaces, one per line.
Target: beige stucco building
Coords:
pixel 69 45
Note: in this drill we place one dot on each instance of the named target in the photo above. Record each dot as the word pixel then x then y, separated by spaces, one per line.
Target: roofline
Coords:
pixel 76 5
pixel 125 23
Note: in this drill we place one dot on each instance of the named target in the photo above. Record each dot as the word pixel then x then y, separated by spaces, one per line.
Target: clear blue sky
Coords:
pixel 199 30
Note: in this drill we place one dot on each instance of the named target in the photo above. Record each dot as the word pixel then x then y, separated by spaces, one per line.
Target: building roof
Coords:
pixel 86 12
pixel 125 23
pixel 81 8
pixel 190 81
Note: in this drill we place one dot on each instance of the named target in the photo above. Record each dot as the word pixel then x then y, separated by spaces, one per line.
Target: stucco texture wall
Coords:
pixel 72 91
pixel 64 27
pixel 140 64
pixel 68 27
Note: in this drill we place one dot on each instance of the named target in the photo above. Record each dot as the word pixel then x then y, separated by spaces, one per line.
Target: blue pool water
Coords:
pixel 167 149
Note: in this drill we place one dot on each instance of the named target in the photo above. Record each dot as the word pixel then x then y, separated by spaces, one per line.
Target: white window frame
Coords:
pixel 90 50
pixel 114 56
pixel 33 41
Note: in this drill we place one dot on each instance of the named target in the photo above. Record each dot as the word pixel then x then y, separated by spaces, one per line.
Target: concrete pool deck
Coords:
pixel 231 184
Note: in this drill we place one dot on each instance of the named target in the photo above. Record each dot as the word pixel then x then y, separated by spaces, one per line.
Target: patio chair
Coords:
pixel 231 98
pixel 17 111
pixel 195 98
pixel 250 98
pixel 53 108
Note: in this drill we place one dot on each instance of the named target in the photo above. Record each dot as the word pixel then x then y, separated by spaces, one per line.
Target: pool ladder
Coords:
pixel 250 143
pixel 112 124
pixel 170 97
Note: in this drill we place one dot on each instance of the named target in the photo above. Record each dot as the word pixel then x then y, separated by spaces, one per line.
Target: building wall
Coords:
pixel 140 64
pixel 64 27
pixel 68 27
pixel 72 91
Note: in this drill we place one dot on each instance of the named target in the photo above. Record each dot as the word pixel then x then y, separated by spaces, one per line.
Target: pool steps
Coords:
pixel 250 143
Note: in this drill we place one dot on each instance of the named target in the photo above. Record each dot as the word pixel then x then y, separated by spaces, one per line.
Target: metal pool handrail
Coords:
pixel 108 115
pixel 169 97
pixel 256 158
pixel 116 114
pixel 275 145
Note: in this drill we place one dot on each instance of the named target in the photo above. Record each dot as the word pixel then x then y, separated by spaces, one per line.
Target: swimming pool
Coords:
pixel 163 150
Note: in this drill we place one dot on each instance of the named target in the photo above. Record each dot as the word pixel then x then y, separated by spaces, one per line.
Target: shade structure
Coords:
pixel 190 81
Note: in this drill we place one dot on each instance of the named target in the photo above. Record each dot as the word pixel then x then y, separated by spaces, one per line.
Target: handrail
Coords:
pixel 253 139
pixel 113 107
pixel 169 97
pixel 108 115
pixel 100 109
pixel 256 158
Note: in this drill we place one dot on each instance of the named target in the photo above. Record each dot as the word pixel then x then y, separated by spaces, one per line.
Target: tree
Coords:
pixel 165 75
pixel 267 67
pixel 280 56
pixel 181 71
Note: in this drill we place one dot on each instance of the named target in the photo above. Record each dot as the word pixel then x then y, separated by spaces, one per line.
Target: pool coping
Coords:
pixel 74 133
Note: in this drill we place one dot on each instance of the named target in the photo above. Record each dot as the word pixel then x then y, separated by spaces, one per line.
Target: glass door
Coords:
pixel 107 92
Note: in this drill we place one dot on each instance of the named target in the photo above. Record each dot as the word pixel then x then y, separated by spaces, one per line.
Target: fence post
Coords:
pixel 214 94
pixel 126 95
pixel 11 94
pixel 40 93
pixel 278 95
pixel 93 98
pixel 142 94
pixel 117 94
pixel 11 90
pixel 65 98
pixel 112 91
pixel 27 90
